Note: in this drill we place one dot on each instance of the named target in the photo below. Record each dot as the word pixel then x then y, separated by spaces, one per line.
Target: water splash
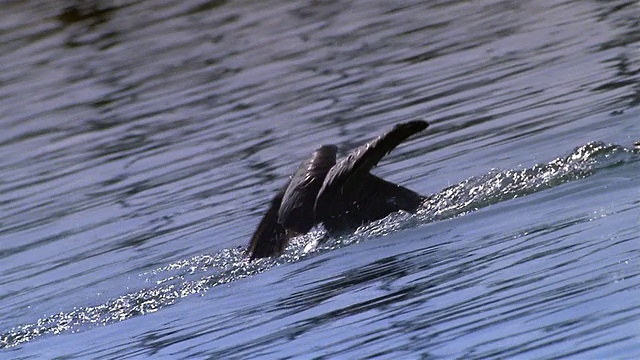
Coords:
pixel 497 186
pixel 171 282
pixel 185 277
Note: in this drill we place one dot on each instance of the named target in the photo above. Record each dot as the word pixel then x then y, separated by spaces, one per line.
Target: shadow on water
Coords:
pixel 184 278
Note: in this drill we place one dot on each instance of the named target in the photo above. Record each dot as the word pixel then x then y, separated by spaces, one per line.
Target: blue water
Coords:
pixel 142 142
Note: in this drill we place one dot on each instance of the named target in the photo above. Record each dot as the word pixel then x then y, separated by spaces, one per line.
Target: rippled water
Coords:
pixel 142 142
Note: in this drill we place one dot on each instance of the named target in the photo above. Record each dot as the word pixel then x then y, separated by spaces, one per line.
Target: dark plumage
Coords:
pixel 341 196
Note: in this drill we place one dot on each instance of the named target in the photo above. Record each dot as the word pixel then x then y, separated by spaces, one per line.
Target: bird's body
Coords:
pixel 341 196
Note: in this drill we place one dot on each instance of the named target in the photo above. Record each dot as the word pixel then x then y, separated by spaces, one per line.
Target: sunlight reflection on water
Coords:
pixel 141 141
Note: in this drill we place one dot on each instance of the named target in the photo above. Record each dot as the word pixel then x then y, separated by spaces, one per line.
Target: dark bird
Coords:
pixel 341 196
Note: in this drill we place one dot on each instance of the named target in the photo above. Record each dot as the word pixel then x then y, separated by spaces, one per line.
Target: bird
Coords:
pixel 340 195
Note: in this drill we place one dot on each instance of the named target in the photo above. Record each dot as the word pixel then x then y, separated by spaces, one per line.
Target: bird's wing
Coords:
pixel 377 198
pixel 296 209
pixel 292 207
pixel 348 174
pixel 270 238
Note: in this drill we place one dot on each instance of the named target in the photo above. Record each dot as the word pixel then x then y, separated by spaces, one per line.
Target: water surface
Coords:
pixel 143 140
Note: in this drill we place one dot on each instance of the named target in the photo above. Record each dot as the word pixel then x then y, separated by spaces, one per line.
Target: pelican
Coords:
pixel 342 196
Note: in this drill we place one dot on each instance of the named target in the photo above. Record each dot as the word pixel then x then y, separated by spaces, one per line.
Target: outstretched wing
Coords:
pixel 373 200
pixel 347 177
pixel 270 238
pixel 292 207
pixel 377 198
pixel 296 210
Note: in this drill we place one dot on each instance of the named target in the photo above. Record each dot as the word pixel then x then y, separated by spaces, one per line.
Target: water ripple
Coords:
pixel 184 278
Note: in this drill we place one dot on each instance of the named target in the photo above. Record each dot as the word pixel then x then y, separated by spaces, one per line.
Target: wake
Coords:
pixel 187 277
